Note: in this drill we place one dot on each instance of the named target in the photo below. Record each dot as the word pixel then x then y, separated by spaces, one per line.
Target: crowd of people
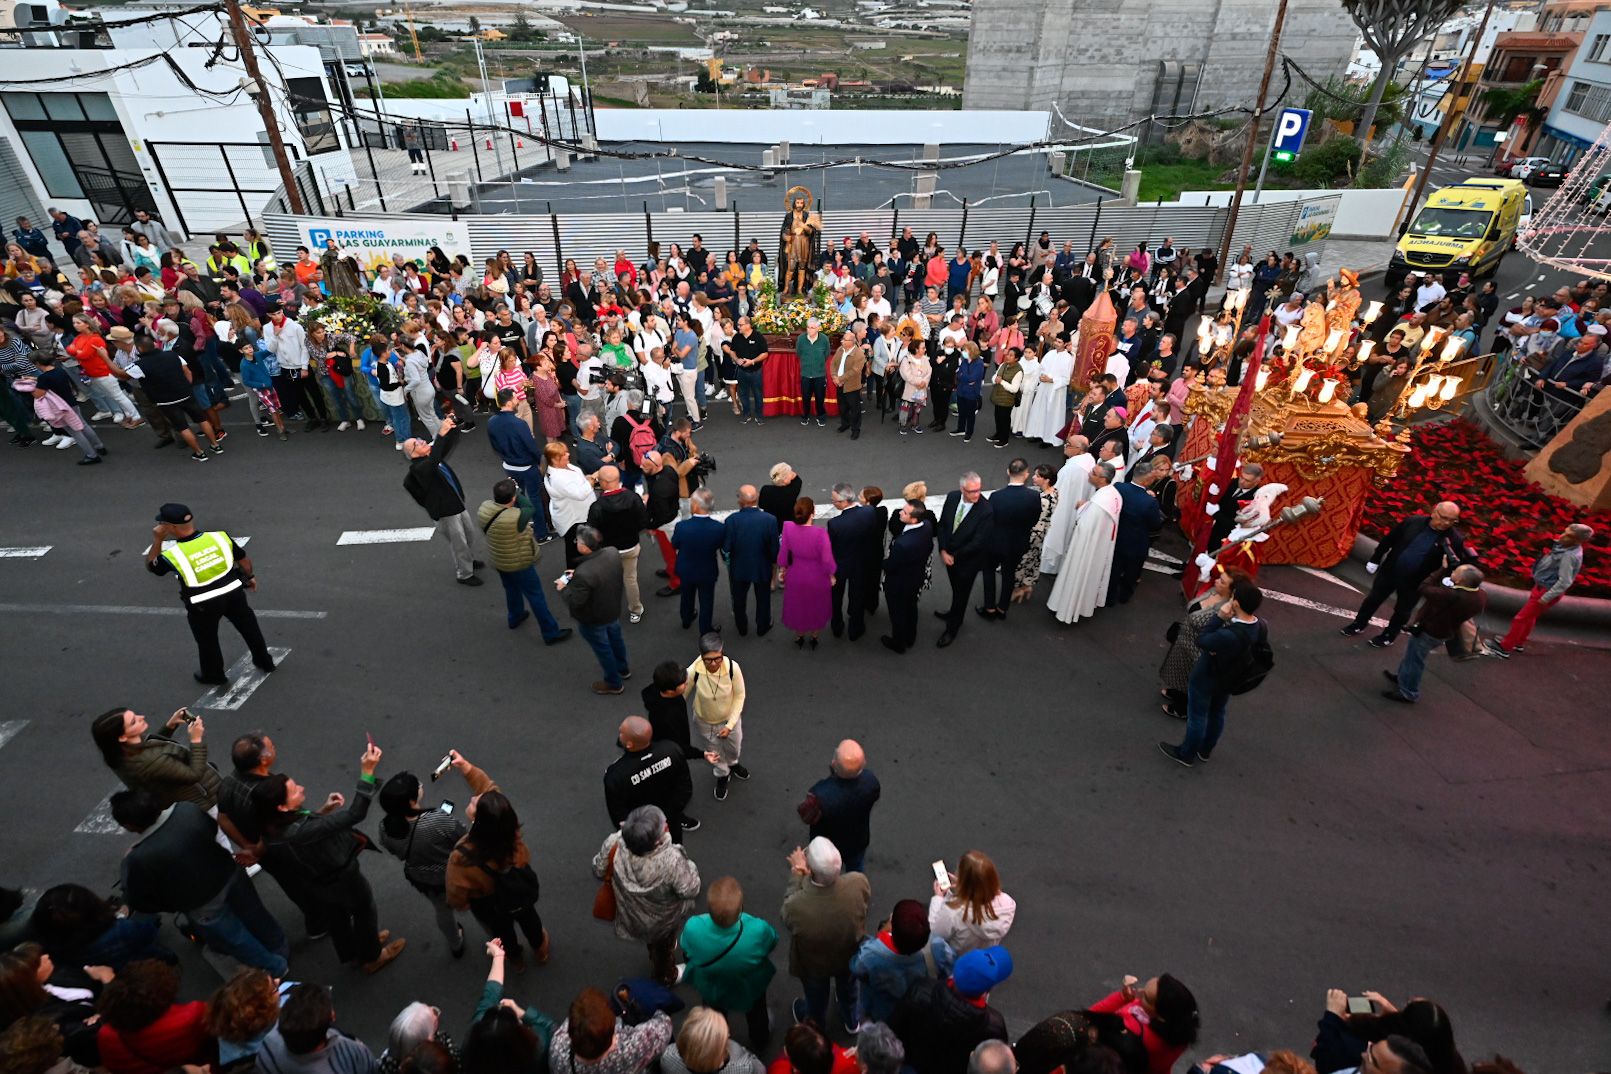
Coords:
pixel 91 982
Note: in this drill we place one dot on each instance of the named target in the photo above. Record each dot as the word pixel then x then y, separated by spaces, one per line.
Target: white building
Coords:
pixel 377 45
pixel 113 119
pixel 1583 106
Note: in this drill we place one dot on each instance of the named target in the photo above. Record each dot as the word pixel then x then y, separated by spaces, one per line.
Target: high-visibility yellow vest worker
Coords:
pixel 214 575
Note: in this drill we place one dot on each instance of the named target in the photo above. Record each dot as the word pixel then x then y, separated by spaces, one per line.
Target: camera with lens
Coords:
pixel 706 464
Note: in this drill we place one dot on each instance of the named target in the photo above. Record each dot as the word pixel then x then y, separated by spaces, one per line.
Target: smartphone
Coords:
pixel 446 806
pixel 187 716
pixel 442 766
pixel 370 739
pixel 1360 1005
pixel 941 877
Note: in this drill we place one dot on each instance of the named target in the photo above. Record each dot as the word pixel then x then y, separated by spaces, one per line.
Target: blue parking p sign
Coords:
pixel 1290 127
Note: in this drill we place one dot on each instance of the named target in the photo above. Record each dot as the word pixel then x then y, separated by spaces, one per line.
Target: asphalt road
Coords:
pixel 1456 849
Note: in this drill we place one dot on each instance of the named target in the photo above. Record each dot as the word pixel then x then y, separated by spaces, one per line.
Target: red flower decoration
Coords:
pixel 1507 520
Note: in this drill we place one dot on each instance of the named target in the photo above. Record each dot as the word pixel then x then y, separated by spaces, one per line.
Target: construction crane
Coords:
pixel 408 13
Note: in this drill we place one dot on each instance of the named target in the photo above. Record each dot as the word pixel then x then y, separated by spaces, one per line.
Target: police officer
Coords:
pixel 649 773
pixel 214 575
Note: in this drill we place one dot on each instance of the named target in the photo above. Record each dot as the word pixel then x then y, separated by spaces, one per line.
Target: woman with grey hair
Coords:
pixel 414 1025
pixel 878 1049
pixel 654 882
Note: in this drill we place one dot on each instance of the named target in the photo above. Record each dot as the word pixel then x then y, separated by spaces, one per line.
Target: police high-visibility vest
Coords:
pixel 203 560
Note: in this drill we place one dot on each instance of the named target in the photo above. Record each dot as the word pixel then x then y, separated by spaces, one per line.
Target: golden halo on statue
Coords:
pixel 797 191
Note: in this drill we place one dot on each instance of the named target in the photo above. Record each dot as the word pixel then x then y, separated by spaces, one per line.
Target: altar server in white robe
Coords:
pixel 1048 413
pixel 1073 489
pixel 1082 584
pixel 1030 364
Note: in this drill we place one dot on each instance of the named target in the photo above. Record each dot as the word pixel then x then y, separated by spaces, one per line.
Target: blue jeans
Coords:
pixel 525 585
pixel 1413 666
pixel 1205 715
pixel 531 483
pixel 398 417
pixel 345 395
pixel 242 928
pixel 816 997
pixel 609 646
pixel 751 392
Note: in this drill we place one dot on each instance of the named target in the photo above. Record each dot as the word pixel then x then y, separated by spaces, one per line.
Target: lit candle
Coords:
pixel 1262 379
pixel 1451 385
pixel 1290 343
pixel 1372 311
pixel 1334 340
pixel 1328 388
pixel 1431 338
pixel 1305 375
pixel 1418 397
pixel 1453 349
pixel 1365 347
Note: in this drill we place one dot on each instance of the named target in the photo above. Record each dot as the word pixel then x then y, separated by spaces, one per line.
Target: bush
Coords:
pixel 1323 165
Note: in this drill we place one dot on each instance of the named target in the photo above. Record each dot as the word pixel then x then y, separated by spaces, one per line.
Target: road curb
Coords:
pixel 1591 612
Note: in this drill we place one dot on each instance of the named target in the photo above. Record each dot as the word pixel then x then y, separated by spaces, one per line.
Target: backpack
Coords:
pixel 1259 662
pixel 641 441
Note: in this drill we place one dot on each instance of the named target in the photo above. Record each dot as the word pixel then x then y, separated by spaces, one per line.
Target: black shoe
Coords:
pixel 521 618
pixel 838 630
pixel 1392 677
pixel 889 643
pixel 990 613
pixel 1382 641
pixel 662 573
pixel 263 430
pixel 472 580
pixel 805 421
pixel 564 632
pixel 269 666
pixel 721 788
pixel 477 565
pixel 760 632
pixel 945 639
pixel 739 771
pixel 103 452
pixel 457 950
pixel 1202 758
pixel 1173 754
pixel 940 615
pixel 821 424
pixel 216 449
pixel 208 680
pixel 199 456
pixel 842 429
pixel 1394 695
pixel 687 823
pixel 1350 630
pixel 93 460
pixel 856 435
pixel 743 630
pixel 667 591
pixel 811 643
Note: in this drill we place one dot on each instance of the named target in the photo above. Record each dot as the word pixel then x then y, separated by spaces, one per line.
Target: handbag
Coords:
pixel 604 907
pixel 810 809
pixel 1172 632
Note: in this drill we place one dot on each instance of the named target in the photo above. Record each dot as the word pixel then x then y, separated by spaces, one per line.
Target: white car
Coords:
pixel 1524 167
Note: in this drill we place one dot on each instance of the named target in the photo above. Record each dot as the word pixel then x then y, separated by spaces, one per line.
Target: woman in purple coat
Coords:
pixel 806 569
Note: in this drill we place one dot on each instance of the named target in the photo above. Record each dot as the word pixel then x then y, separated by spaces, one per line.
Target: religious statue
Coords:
pixel 1342 300
pixel 799 240
pixel 1312 329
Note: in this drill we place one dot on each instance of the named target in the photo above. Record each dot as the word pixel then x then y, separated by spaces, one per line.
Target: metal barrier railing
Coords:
pixel 1533 415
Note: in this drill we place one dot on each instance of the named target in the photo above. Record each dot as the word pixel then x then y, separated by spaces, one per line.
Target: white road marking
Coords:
pixel 1162 557
pixel 416 533
pixel 1327 576
pixel 242 541
pixel 9 729
pixel 244 678
pixel 135 609
pixel 1512 295
pixel 1315 605
pixel 1164 570
pixel 99 821
pixel 25 552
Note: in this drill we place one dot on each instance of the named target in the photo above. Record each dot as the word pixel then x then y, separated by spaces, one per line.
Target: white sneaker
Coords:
pixel 399 447
pixel 100 415
pixel 53 439
pixel 64 443
pixel 344 426
pixel 360 424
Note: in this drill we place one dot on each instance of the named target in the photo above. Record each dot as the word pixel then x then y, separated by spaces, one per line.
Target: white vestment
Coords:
pixel 1082 584
pixel 1073 489
pixel 1026 393
pixel 1048 413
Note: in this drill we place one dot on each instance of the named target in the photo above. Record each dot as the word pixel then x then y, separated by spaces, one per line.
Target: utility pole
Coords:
pixel 265 107
pixel 1252 137
pixel 1461 91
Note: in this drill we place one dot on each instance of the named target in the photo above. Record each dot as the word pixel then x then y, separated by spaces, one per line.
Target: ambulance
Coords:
pixel 1464 228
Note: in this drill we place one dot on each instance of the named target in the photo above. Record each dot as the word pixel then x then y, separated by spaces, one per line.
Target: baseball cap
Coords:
pixel 980 970
pixel 173 513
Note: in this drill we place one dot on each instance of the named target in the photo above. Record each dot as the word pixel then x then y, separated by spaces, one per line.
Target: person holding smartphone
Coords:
pixel 423 839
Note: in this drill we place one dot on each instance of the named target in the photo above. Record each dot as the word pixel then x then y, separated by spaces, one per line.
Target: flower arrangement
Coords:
pixel 358 317
pixel 788 317
pixel 1508 520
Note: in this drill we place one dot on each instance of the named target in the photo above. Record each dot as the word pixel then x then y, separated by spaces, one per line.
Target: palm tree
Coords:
pixel 1503 105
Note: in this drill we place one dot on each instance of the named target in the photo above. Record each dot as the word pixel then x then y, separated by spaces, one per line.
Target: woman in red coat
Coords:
pixel 143 1031
pixel 1162 1012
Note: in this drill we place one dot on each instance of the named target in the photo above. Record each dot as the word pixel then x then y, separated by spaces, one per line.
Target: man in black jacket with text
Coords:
pixel 649 773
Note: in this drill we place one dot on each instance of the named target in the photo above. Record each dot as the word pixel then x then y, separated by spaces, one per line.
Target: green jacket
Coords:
pixel 736 979
pixel 171 771
pixel 508 528
pixel 813 356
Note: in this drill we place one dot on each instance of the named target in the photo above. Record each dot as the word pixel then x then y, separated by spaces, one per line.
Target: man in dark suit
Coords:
pixel 1247 483
pixel 872 497
pixel 850 533
pixel 697 539
pixel 1140 519
pixel 964 536
pixel 1414 550
pixel 1014 509
pixel 751 546
pixel 909 553
pixel 435 487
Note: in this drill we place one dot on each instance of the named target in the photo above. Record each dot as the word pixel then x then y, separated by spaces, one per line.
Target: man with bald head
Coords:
pixel 751 546
pixel 648 773
pixel 1416 549
pixel 839 807
pixel 619 514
